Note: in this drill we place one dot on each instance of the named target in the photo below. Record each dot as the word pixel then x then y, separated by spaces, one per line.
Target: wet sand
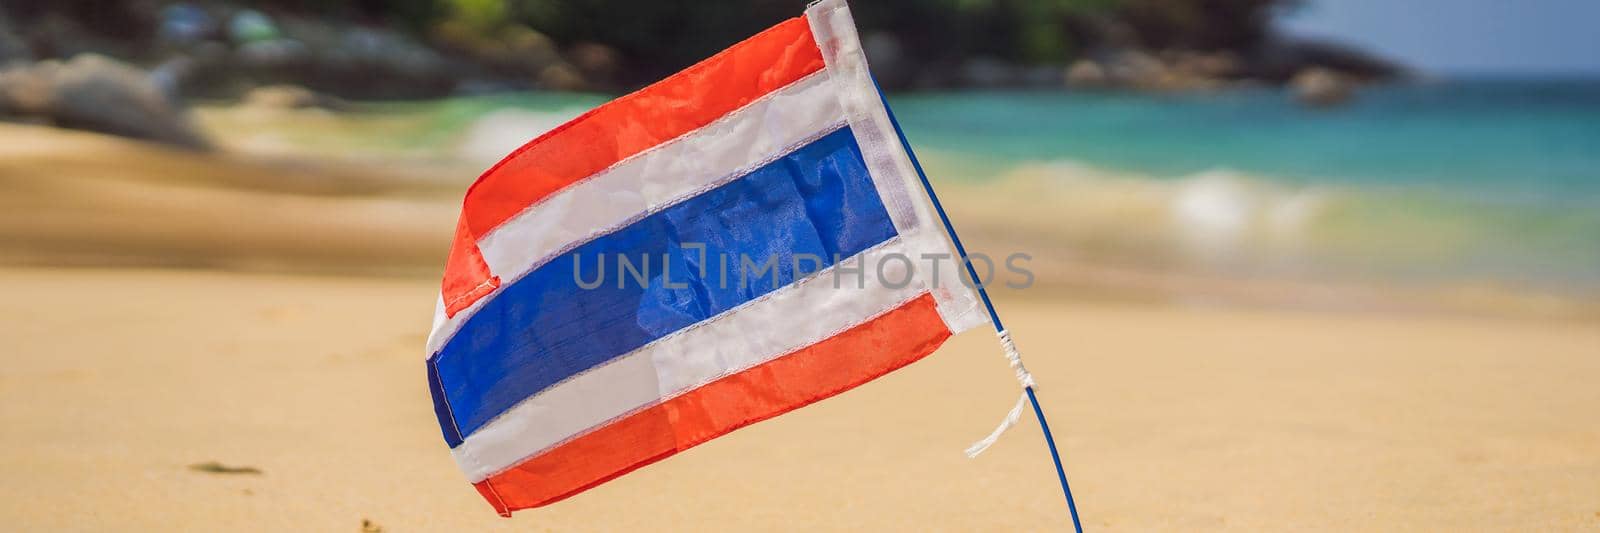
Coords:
pixel 74 198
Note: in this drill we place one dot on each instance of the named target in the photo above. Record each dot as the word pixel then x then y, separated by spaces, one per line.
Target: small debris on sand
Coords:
pixel 213 467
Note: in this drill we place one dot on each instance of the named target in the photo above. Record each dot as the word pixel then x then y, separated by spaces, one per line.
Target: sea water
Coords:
pixel 1491 180
pixel 1494 181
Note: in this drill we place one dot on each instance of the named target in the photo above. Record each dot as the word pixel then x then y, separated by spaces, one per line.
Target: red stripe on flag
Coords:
pixel 615 131
pixel 466 275
pixel 842 362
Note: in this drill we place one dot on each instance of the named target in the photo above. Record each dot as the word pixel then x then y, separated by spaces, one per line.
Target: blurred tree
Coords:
pixel 662 36
pixel 653 38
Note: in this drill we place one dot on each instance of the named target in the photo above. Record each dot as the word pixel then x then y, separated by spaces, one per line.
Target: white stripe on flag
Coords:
pixel 656 179
pixel 810 311
pixel 887 160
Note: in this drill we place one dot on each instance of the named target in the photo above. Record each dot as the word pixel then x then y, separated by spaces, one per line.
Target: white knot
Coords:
pixel 1023 378
pixel 1015 359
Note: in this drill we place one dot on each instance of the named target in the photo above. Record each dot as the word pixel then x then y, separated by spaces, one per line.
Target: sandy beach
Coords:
pixel 1275 265
pixel 1190 419
pixel 173 317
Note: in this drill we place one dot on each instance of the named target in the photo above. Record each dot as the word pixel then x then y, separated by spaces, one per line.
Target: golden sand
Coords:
pixel 116 381
pixel 141 399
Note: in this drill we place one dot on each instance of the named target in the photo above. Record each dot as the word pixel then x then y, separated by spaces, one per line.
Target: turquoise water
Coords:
pixel 1491 181
pixel 1540 139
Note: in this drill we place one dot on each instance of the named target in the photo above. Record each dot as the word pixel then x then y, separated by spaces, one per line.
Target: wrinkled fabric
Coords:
pixel 898 338
pixel 554 367
pixel 617 130
pixel 544 328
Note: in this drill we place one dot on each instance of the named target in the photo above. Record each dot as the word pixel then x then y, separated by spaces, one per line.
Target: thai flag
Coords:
pixel 629 284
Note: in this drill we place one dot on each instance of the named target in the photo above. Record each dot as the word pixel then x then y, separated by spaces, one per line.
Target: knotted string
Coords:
pixel 994 319
pixel 1024 379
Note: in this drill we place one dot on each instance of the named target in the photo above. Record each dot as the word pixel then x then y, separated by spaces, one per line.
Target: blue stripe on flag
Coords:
pixel 441 408
pixel 544 328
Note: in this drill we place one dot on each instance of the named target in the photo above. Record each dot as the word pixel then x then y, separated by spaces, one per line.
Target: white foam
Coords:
pixel 502 131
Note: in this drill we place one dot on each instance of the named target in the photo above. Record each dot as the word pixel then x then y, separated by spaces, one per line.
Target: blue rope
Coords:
pixel 994 318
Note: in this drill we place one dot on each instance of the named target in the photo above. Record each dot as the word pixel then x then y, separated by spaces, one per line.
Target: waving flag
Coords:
pixel 741 239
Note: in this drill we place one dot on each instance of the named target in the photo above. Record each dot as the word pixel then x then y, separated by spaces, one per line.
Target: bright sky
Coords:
pixel 1529 37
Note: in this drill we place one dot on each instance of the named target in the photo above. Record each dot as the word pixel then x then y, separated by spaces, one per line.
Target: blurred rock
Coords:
pixel 381 49
pixel 1322 87
pixel 512 58
pixel 272 53
pixel 26 92
pixel 290 97
pixel 1133 68
pixel 1280 60
pixel 168 76
pixel 597 62
pixel 1086 74
pixel 1204 65
pixel 562 77
pixel 527 48
pixel 250 26
pixel 184 23
pixel 1171 70
pixel 518 52
pixel 323 56
pixel 96 93
pixel 371 50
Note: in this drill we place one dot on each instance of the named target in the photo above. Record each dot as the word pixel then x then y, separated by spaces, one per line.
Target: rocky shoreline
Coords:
pixel 65 70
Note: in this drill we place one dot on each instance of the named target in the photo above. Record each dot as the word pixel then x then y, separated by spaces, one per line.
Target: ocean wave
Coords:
pixel 1231 222
pixel 490 137
pixel 1215 217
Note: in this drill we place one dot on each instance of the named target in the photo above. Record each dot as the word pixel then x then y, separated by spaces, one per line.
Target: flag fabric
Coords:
pixel 598 311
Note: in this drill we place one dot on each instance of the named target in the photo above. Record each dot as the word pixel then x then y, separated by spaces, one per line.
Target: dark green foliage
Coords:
pixel 660 36
pixel 656 37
